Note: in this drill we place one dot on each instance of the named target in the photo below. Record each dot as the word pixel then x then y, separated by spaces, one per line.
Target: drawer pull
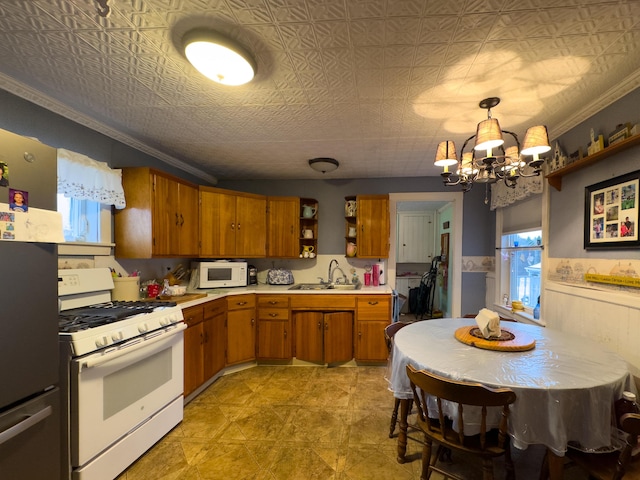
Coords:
pixel 373 303
pixel 273 302
pixel 240 304
pixel 273 315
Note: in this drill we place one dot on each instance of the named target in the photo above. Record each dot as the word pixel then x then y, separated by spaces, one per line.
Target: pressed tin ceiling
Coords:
pixel 374 84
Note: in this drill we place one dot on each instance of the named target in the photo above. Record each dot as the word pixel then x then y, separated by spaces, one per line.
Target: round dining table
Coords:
pixel 565 385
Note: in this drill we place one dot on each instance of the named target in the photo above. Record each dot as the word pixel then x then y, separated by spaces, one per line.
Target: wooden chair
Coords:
pixel 487 444
pixel 608 466
pixel 389 333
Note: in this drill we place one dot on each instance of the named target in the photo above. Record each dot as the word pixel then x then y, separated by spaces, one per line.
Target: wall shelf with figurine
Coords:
pixel 555 178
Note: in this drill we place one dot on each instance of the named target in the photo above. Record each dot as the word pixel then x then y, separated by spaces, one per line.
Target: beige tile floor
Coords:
pixel 297 423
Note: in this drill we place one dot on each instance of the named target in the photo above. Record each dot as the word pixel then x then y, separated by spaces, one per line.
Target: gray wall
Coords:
pixel 566 225
pixel 24 118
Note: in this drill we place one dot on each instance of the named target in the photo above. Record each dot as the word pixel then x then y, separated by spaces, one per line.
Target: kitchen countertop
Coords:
pixel 211 294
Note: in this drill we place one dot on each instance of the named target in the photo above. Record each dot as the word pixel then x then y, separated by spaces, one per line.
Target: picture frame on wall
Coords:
pixel 611 213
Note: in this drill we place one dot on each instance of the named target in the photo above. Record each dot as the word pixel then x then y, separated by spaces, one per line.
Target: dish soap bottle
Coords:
pixel 536 310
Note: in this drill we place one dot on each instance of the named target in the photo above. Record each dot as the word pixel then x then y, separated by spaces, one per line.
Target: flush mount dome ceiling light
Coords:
pixel 324 165
pixel 218 58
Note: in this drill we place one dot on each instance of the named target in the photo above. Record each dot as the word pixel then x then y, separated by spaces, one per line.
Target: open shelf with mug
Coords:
pixel 351 225
pixel 308 227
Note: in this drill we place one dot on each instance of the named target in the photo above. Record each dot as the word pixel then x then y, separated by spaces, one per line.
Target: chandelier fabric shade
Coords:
pixel 488 135
pixel 491 159
pixel 446 154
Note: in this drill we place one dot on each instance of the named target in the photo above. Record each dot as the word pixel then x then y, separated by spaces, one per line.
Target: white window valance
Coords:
pixel 501 195
pixel 82 178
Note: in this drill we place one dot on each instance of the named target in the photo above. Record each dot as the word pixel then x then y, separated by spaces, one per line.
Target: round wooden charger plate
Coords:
pixel 508 341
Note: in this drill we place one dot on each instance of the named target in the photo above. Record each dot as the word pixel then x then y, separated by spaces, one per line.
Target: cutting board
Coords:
pixel 508 341
pixel 179 299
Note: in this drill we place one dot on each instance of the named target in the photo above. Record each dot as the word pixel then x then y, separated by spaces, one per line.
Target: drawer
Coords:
pixel 273 313
pixel 215 308
pixel 374 307
pixel 273 301
pixel 193 315
pixel 238 302
pixel 324 303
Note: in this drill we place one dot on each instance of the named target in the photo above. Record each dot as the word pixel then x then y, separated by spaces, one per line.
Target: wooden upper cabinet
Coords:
pixel 232 224
pixel 283 227
pixel 373 226
pixel 161 216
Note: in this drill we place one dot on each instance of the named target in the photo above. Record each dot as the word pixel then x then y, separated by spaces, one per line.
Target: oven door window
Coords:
pixel 114 397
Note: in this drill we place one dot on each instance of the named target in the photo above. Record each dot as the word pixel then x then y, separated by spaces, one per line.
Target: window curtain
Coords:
pixel 502 196
pixel 82 178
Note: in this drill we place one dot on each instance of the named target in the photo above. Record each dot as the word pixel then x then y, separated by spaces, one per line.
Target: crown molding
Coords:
pixel 38 98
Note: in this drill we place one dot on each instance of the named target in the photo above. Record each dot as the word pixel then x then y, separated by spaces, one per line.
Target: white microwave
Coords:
pixel 221 273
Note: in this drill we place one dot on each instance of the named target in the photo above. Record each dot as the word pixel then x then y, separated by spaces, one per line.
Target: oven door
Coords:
pixel 116 390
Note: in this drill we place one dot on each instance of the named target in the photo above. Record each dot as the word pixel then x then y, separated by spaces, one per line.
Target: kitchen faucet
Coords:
pixel 333 270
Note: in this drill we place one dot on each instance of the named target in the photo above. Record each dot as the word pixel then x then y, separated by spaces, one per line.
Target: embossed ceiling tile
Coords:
pixel 285 11
pixel 311 79
pixel 437 29
pixel 337 59
pixel 250 16
pixel 332 34
pixel 366 8
pixel 399 55
pixel 326 10
pixel 402 31
pixel 430 54
pixel 306 60
pixel 298 36
pixel 473 28
pixel 368 57
pixel 477 6
pixel 344 95
pixel 462 53
pixel 424 76
pixel 293 96
pixel 403 8
pixel 369 77
pixel 366 32
pixel 369 92
pixel 397 77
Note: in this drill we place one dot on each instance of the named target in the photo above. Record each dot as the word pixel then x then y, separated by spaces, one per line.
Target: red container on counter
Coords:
pixel 153 290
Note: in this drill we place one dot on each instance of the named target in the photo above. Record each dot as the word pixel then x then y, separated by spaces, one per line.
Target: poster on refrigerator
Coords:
pixel 34 225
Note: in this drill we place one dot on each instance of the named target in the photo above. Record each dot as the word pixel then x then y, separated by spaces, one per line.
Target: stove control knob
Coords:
pixel 117 337
pixel 165 321
pixel 102 342
pixel 143 328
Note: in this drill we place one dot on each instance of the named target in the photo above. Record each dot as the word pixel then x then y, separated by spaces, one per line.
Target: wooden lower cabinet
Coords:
pixel 204 342
pixel 373 314
pixel 324 337
pixel 274 328
pixel 241 328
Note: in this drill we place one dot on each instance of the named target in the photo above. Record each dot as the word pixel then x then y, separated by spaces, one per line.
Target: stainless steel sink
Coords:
pixel 325 286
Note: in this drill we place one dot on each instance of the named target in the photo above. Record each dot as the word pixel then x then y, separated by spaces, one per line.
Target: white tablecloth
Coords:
pixel 565 386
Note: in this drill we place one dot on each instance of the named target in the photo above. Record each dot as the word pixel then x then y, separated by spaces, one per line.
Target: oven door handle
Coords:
pixel 132 346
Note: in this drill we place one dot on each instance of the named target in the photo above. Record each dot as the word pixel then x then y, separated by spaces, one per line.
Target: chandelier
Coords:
pixel 490 160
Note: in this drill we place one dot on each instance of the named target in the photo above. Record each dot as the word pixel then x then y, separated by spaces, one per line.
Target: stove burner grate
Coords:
pixel 84 318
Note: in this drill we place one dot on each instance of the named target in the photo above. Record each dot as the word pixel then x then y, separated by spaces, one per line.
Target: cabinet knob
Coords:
pixel 319 325
pixel 285 334
pixel 181 220
pixel 233 226
pixel 238 226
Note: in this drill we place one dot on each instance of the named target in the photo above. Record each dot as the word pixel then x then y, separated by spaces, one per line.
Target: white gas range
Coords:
pixel 122 374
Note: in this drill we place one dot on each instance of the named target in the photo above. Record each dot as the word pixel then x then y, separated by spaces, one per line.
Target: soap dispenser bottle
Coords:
pixel 536 310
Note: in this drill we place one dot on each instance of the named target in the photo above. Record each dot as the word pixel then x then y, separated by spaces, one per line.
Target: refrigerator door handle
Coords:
pixel 25 424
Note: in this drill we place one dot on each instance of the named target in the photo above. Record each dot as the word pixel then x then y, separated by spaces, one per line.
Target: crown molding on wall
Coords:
pixel 38 98
pixel 627 85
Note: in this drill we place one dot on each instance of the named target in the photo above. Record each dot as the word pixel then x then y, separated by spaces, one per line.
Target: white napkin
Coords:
pixel 489 323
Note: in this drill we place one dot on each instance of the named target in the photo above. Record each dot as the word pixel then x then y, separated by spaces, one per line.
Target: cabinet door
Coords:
pixel 274 340
pixel 373 226
pixel 370 343
pixel 165 215
pixel 241 336
pixel 193 358
pixel 283 226
pixel 214 338
pixel 309 328
pixel 251 226
pixel 415 237
pixel 338 337
pixel 187 231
